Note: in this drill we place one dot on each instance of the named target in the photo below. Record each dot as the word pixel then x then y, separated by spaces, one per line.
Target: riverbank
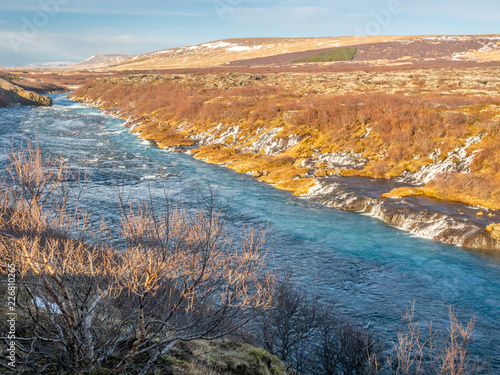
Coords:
pixel 11 94
pixel 344 150
pixel 353 259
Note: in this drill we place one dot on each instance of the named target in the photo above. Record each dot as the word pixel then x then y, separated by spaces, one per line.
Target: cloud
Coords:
pixel 104 8
pixel 142 12
pixel 286 21
pixel 63 47
pixel 483 10
pixel 3 22
pixel 287 15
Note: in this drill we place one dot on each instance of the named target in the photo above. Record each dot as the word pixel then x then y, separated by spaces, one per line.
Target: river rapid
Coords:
pixel 370 269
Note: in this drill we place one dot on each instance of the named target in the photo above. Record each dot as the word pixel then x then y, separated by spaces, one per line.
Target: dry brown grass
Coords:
pixel 438 351
pixel 49 82
pixel 405 126
pixel 176 58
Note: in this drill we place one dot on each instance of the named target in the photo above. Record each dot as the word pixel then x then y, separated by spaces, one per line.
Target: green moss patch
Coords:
pixel 223 357
pixel 337 54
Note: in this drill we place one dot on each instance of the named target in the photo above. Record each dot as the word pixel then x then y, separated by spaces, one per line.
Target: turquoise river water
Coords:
pixel 370 269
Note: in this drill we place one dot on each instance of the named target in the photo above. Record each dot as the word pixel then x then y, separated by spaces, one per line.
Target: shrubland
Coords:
pixel 172 285
pixel 394 124
pixel 45 82
pixel 82 305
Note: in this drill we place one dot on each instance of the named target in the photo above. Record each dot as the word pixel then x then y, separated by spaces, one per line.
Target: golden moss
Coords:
pixel 432 191
pixel 220 357
pixel 320 173
pixel 403 191
pixel 473 189
pixel 395 132
pixel 163 136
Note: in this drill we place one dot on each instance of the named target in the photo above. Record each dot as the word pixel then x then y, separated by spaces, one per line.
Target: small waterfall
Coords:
pixel 457 161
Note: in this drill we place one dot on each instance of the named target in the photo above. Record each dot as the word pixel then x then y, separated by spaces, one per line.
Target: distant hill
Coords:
pixel 432 51
pixel 101 61
pixel 421 51
pixel 224 52
pixel 48 64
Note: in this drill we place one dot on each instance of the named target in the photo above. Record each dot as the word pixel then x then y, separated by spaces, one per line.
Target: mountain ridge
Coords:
pixel 259 52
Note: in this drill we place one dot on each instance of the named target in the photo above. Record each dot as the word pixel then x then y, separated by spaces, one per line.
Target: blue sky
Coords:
pixel 73 30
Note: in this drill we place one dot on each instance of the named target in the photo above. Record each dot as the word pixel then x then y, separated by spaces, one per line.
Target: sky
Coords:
pixel 73 30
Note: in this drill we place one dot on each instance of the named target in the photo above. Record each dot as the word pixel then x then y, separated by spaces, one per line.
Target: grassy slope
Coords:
pixel 330 113
pixel 337 54
pixel 221 357
pixel 206 57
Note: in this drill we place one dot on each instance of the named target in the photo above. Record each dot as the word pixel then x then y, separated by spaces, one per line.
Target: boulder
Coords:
pixel 320 173
pixel 4 100
pixel 494 230
pixel 14 94
pixel 257 174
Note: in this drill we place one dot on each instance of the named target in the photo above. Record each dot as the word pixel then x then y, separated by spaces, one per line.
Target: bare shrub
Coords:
pixel 82 307
pixel 313 338
pixel 438 351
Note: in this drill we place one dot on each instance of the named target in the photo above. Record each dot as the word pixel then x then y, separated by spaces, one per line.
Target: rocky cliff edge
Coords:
pixel 11 94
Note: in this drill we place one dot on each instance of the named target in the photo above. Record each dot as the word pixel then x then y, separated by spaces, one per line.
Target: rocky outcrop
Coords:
pixel 449 222
pixel 457 161
pixel 11 94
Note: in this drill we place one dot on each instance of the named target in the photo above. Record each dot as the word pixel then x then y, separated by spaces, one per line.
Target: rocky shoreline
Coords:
pixel 11 94
pixel 440 220
pixel 448 222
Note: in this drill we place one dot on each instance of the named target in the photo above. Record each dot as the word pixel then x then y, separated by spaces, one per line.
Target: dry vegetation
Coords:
pixel 48 82
pixel 430 349
pixel 394 121
pixel 83 306
pixel 220 52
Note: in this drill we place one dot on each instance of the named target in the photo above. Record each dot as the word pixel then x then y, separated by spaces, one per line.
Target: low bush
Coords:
pixel 395 133
pixel 83 306
pixel 314 338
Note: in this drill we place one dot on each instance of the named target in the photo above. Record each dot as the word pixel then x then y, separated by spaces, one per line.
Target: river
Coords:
pixel 372 270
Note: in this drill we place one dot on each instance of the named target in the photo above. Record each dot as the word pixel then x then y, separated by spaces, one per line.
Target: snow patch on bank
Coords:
pixel 342 159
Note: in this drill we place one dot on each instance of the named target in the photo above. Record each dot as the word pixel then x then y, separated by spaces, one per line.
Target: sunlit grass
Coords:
pixel 337 54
